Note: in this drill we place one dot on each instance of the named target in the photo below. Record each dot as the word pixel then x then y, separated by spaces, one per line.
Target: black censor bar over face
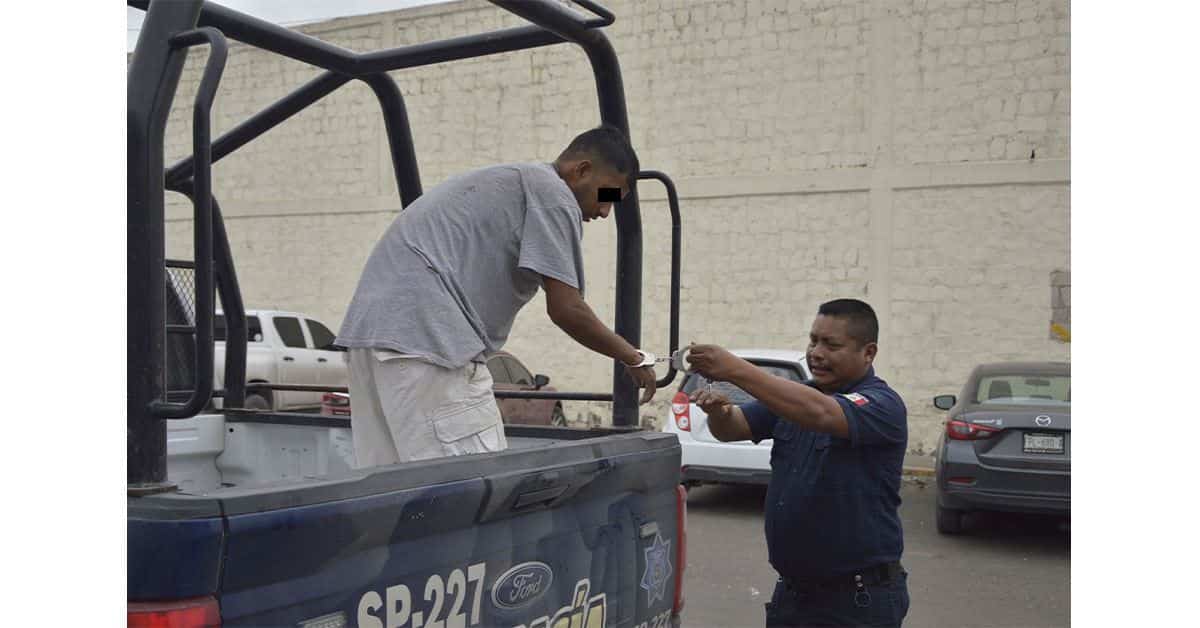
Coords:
pixel 609 195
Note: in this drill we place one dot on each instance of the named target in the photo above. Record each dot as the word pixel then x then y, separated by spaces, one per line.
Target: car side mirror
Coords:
pixel 540 381
pixel 944 402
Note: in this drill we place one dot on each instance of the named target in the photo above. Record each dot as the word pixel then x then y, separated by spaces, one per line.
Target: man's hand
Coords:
pixel 644 376
pixel 715 363
pixel 714 404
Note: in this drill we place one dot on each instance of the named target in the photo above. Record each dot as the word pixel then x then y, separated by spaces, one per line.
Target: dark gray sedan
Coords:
pixel 1007 443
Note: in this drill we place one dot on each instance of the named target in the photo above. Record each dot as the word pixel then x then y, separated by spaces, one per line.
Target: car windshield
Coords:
pixel 696 381
pixel 1018 389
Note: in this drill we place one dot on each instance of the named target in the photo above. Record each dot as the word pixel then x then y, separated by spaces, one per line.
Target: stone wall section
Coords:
pixel 914 154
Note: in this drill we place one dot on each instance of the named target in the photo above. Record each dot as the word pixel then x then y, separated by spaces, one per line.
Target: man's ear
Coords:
pixel 583 168
pixel 870 350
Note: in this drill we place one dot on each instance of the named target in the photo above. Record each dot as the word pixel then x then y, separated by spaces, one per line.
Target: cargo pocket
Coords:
pixel 462 422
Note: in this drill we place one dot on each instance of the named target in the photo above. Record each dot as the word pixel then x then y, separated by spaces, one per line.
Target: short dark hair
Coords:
pixel 861 321
pixel 607 144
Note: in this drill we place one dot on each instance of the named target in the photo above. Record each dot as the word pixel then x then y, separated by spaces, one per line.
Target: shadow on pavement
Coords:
pixel 1048 535
pixel 1042 535
pixel 727 499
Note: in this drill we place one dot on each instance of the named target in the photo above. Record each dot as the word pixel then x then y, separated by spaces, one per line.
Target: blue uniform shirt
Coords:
pixel 832 502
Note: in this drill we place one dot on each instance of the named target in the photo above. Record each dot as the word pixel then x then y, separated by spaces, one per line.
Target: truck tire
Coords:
pixel 558 418
pixel 950 521
pixel 256 401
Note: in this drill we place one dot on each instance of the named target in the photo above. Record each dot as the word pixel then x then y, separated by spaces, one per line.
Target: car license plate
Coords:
pixel 1043 443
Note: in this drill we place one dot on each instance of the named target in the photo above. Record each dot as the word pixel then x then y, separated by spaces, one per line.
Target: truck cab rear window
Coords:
pixel 253 329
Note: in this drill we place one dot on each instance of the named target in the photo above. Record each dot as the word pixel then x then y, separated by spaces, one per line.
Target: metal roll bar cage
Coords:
pixel 169 29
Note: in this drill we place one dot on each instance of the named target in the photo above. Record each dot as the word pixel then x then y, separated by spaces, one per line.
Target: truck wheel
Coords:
pixel 558 418
pixel 255 401
pixel 950 521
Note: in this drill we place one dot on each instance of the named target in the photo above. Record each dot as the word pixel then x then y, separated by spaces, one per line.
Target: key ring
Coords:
pixel 862 597
pixel 677 359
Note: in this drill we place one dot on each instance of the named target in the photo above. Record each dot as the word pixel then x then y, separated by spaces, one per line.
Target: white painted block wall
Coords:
pixel 879 150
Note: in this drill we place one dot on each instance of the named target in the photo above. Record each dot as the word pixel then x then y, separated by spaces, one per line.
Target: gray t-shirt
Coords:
pixel 447 278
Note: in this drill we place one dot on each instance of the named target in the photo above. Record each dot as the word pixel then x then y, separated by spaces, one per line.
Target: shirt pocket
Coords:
pixel 784 437
pixel 836 464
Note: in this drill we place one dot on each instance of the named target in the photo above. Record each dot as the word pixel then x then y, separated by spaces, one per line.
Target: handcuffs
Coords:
pixel 677 359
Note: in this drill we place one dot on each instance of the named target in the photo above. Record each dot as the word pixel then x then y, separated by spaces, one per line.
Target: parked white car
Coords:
pixel 708 460
pixel 284 348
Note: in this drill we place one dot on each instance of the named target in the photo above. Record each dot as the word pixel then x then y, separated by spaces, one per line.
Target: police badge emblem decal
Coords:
pixel 658 570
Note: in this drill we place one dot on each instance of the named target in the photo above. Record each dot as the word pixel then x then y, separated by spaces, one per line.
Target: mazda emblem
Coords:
pixel 1042 420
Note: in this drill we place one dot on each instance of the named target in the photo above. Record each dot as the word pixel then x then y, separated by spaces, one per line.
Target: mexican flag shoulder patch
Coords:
pixel 857 399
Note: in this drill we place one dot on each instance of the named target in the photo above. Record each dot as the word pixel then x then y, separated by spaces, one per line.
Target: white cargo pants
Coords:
pixel 403 409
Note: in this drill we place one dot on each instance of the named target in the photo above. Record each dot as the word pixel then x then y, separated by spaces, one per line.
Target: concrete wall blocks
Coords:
pixel 915 154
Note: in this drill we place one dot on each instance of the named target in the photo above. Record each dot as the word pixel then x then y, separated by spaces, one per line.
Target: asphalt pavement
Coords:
pixel 1008 571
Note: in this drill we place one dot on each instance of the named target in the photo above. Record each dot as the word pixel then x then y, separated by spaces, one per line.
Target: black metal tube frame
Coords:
pixel 300 47
pixel 391 102
pixel 153 81
pixel 676 245
pixel 236 327
pixel 153 78
pixel 203 222
pixel 500 394
pixel 611 93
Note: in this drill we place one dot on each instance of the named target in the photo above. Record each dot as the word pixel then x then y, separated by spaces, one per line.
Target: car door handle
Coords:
pixel 541 497
pixel 288 358
pixel 522 491
pixel 322 360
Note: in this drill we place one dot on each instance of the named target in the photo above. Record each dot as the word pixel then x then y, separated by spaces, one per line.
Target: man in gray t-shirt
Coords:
pixel 443 285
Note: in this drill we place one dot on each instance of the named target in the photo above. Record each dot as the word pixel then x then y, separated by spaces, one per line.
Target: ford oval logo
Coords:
pixel 1042 420
pixel 522 584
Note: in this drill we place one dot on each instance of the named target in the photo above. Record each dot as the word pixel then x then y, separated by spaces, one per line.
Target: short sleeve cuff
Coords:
pixel 552 273
pixel 761 420
pixel 851 412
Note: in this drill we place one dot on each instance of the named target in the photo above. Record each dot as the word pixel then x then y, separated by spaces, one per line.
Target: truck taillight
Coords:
pixel 334 399
pixel 680 408
pixel 961 430
pixel 681 545
pixel 200 612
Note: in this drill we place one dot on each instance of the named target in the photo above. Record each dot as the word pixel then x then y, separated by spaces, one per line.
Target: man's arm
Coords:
pixel 573 315
pixel 801 404
pixel 726 421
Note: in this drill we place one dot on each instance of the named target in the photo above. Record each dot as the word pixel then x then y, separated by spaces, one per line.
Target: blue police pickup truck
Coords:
pixel 269 526
pixel 248 517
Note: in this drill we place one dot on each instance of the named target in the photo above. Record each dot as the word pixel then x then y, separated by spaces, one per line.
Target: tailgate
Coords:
pixel 582 530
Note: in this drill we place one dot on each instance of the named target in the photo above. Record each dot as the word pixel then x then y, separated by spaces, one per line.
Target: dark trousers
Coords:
pixel 883 604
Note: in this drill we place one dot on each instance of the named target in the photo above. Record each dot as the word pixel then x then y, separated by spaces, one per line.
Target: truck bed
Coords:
pixel 580 523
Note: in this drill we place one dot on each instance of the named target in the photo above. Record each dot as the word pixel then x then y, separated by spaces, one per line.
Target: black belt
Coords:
pixel 877 574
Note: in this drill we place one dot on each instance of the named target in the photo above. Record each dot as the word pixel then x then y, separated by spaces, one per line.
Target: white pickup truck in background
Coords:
pixel 283 348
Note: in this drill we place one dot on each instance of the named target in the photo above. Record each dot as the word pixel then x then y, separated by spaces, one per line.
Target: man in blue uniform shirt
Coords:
pixel 833 531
